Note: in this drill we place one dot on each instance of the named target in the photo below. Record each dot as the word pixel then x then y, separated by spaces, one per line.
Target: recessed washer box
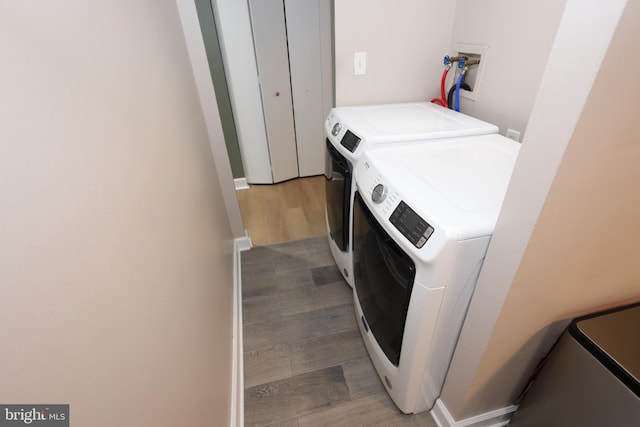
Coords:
pixel 474 74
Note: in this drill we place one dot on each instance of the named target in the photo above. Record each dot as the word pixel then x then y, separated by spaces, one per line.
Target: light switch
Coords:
pixel 359 63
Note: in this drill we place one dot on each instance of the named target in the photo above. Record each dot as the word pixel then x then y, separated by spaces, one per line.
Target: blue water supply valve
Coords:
pixel 447 60
pixel 462 62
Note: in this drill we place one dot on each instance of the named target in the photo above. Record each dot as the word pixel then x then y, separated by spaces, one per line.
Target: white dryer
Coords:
pixel 423 218
pixel 350 131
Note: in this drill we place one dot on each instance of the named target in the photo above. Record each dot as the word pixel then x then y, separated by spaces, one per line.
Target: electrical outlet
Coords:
pixel 513 134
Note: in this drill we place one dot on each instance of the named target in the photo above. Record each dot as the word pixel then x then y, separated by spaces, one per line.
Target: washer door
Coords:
pixel 338 195
pixel 384 276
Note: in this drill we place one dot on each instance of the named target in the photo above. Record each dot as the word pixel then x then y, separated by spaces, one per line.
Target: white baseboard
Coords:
pixel 241 183
pixel 243 243
pixel 237 381
pixel 497 418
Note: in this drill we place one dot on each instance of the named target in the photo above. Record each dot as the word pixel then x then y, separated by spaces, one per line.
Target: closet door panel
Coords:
pixel 305 61
pixel 270 39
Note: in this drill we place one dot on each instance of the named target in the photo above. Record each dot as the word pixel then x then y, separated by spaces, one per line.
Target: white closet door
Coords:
pixel 305 62
pixel 270 39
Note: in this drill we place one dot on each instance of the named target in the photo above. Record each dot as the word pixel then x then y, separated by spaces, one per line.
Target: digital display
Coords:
pixel 411 225
pixel 350 141
pixel 410 220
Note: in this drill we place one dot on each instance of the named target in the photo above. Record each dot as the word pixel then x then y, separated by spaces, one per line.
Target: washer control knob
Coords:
pixel 336 129
pixel 379 193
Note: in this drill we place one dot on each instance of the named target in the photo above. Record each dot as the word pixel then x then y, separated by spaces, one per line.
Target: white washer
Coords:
pixel 351 131
pixel 423 218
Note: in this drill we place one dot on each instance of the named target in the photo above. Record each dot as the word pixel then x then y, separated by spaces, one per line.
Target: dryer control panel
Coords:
pixel 389 203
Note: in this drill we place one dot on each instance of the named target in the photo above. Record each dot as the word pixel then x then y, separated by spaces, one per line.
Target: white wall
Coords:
pixel 564 241
pixel 115 274
pixel 519 36
pixel 405 46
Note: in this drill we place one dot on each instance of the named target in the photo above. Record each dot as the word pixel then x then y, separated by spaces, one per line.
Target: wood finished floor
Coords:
pixel 290 210
pixel 305 362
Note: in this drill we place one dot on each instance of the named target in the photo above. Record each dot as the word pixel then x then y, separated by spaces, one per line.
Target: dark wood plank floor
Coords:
pixel 305 362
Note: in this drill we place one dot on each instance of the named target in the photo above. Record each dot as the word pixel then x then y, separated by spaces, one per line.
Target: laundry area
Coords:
pixel 320 213
pixel 402 164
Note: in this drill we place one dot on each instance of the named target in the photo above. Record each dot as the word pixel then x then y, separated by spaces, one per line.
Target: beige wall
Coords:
pixel 580 256
pixel 115 269
pixel 405 45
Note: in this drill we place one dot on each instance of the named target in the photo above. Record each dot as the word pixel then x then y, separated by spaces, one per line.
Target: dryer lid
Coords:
pixel 405 122
pixel 457 182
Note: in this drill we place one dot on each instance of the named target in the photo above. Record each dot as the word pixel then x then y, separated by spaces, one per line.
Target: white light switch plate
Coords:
pixel 359 63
